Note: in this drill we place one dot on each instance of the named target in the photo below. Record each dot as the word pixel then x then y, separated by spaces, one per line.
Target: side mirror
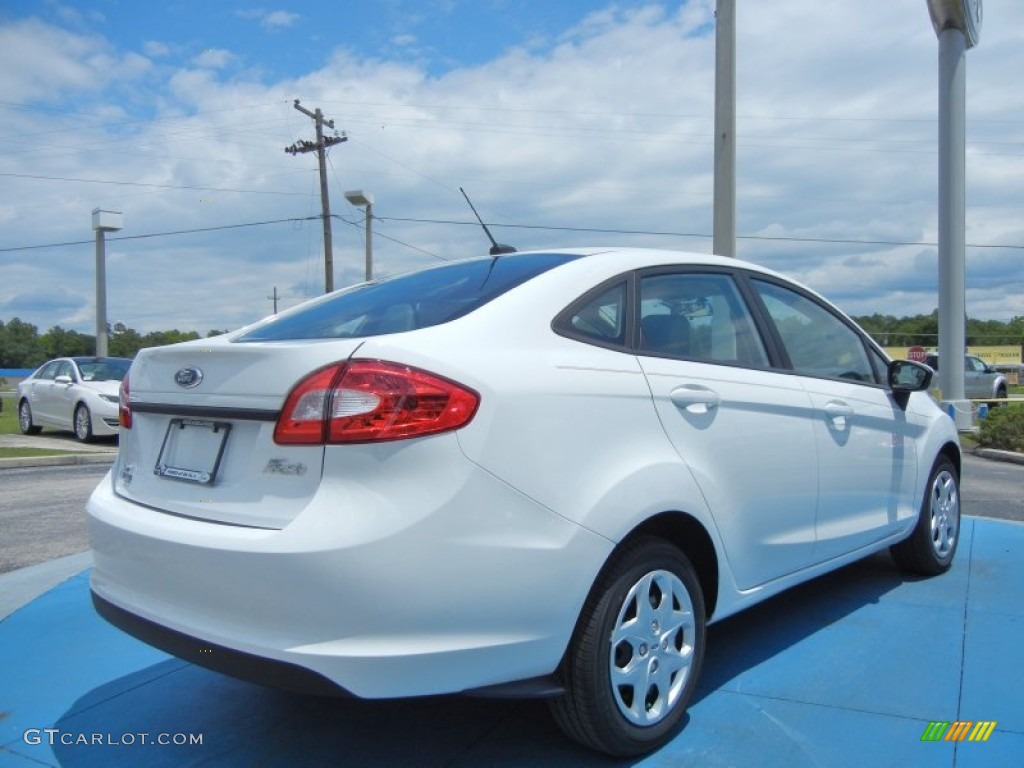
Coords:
pixel 906 376
pixel 63 379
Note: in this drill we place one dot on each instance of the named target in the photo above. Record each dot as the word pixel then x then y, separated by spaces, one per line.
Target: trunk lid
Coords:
pixel 202 444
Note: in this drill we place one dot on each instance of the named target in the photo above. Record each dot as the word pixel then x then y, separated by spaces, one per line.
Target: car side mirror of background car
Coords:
pixel 906 376
pixel 63 379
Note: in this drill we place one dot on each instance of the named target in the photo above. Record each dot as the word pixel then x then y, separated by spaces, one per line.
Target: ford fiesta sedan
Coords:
pixel 539 474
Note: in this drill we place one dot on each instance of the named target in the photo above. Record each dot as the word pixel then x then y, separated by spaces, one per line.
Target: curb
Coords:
pixel 997 455
pixel 57 461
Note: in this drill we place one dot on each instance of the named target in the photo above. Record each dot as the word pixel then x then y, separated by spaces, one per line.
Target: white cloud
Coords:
pixel 610 129
pixel 156 49
pixel 213 58
pixel 271 20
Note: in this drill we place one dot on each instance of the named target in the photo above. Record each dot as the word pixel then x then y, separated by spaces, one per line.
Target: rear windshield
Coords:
pixel 408 302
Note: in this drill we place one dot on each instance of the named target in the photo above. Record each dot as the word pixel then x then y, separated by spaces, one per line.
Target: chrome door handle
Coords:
pixel 838 413
pixel 695 399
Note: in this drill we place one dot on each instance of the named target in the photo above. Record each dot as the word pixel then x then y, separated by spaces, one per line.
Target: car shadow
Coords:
pixel 242 724
pixel 744 641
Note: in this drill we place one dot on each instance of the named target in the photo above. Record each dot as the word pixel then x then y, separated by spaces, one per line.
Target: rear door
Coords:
pixel 40 394
pixel 746 431
pixel 865 443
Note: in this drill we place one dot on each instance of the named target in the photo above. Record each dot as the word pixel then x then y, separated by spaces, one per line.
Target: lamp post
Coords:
pixel 102 222
pixel 365 200
pixel 957 24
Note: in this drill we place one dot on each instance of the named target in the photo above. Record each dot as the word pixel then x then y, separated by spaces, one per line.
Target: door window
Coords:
pixel 819 343
pixel 698 316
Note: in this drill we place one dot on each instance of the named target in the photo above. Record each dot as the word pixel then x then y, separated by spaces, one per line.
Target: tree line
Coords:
pixel 22 346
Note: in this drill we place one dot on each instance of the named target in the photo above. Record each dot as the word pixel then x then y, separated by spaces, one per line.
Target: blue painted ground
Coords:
pixel 846 671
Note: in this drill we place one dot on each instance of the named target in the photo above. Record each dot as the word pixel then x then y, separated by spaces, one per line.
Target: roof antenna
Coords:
pixel 496 248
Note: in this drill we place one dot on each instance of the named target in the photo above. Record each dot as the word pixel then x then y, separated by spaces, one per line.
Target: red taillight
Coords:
pixel 370 400
pixel 124 409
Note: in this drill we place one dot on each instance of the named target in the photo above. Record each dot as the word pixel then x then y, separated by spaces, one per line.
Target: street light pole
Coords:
pixel 365 200
pixel 724 229
pixel 103 222
pixel 957 24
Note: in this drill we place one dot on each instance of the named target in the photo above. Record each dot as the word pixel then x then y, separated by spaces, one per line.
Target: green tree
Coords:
pixel 20 346
pixel 61 343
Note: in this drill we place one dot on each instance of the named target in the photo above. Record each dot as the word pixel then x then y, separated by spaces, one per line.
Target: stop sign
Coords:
pixel 916 354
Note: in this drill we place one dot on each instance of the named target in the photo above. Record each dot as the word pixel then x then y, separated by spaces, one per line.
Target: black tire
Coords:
pixel 25 419
pixel 1001 398
pixel 594 710
pixel 82 423
pixel 931 546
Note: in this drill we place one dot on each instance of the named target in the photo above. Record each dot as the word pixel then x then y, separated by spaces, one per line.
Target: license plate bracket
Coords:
pixel 192 450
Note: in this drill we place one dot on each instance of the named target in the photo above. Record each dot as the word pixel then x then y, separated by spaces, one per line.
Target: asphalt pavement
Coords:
pixel 859 667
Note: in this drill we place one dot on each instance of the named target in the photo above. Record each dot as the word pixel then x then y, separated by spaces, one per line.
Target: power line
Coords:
pixel 160 234
pixel 546 227
pixel 703 235
pixel 154 186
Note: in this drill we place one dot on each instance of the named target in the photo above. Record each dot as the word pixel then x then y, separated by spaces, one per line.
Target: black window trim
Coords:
pixel 768 342
pixel 562 323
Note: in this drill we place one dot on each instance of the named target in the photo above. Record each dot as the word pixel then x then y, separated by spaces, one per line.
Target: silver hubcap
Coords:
pixel 945 513
pixel 652 648
pixel 82 423
pixel 24 418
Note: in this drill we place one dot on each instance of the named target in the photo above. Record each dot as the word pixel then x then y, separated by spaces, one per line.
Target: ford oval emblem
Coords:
pixel 188 377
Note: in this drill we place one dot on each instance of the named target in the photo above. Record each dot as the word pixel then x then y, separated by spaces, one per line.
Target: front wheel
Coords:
pixel 635 656
pixel 83 423
pixel 25 419
pixel 930 548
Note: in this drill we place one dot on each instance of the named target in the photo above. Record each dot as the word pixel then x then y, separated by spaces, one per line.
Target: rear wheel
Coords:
pixel 83 423
pixel 930 548
pixel 1000 398
pixel 636 653
pixel 25 419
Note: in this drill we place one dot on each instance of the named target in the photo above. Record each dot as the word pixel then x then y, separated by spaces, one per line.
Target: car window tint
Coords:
pixel 602 318
pixel 65 370
pixel 698 316
pixel 818 342
pixel 407 302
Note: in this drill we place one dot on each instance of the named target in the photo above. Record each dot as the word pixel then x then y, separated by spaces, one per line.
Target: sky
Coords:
pixel 576 123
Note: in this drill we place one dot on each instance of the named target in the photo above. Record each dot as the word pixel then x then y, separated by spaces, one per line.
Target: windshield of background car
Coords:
pixel 103 370
pixel 408 302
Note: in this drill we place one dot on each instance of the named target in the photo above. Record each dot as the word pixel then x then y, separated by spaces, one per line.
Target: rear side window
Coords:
pixel 408 302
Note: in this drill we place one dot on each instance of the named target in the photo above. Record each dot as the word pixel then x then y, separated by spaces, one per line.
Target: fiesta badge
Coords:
pixel 188 377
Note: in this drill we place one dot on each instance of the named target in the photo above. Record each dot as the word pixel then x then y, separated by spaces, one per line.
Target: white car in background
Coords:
pixel 76 393
pixel 538 474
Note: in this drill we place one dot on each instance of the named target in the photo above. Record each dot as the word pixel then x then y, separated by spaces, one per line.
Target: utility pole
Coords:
pixel 320 146
pixel 274 297
pixel 724 230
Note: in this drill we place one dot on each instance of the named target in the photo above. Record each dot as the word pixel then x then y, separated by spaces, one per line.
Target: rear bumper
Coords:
pixel 475 586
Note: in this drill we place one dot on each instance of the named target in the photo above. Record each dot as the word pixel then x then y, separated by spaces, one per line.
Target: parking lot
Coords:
pixel 850 669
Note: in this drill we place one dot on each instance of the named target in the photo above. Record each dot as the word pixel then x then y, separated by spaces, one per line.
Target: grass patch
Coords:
pixel 9 418
pixel 18 453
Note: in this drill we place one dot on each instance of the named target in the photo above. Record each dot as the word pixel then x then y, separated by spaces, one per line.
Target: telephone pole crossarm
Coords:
pixel 320 146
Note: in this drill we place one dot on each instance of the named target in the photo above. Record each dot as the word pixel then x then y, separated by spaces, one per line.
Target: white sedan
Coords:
pixel 76 393
pixel 538 474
